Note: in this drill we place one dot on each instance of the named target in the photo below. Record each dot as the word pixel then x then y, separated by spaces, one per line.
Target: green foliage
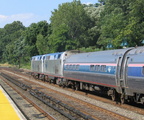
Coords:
pixel 41 44
pixel 93 32
pixel 136 22
pixel 90 49
pixel 69 26
pixel 58 41
pixel 75 26
pixel 11 33
pixel 113 22
pixel 36 38
pixel 122 19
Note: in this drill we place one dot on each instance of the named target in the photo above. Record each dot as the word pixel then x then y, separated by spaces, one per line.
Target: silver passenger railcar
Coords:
pixel 119 73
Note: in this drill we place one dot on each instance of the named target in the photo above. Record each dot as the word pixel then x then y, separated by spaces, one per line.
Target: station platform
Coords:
pixel 8 110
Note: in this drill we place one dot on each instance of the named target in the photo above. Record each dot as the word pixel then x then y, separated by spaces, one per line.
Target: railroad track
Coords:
pixel 64 109
pixel 77 104
pixel 24 87
pixel 135 107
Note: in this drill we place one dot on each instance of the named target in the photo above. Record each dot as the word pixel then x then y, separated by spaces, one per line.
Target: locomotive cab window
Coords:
pixel 59 56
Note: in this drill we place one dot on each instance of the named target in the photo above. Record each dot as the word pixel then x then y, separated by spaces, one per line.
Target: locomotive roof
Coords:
pixel 99 56
pixel 37 57
pixel 53 54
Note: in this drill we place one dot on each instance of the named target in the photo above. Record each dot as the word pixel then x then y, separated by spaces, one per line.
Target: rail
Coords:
pixel 57 105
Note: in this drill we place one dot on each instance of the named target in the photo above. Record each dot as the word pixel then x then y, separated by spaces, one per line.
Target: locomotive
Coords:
pixel 118 73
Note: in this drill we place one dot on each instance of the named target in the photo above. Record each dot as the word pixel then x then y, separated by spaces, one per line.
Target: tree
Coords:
pixel 19 52
pixel 35 37
pixel 114 21
pixel 41 44
pixel 60 41
pixel 136 22
pixel 10 33
pixel 71 20
pixel 93 31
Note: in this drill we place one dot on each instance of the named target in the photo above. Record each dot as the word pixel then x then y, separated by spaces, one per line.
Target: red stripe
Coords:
pixel 80 80
pixel 103 84
pixel 136 65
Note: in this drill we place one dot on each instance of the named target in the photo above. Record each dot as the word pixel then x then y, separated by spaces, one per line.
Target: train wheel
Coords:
pixel 36 77
pixel 113 96
pixel 73 87
pixel 46 78
pixel 122 98
pixel 77 86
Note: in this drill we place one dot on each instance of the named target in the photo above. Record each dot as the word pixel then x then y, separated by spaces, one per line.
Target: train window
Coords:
pixel 77 67
pixel 74 67
pixel 70 67
pixel 103 68
pixel 97 68
pixel 66 67
pixel 143 70
pixel 91 67
pixel 59 56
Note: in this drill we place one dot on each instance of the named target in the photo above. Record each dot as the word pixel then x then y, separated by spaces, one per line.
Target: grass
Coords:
pixel 6 65
pixel 23 66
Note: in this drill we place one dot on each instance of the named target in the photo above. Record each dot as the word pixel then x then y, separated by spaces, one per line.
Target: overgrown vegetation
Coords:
pixel 75 26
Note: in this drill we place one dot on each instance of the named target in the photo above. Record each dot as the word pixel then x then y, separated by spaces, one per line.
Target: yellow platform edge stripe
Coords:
pixel 8 110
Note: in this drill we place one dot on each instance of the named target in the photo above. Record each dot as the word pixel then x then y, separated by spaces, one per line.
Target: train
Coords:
pixel 118 73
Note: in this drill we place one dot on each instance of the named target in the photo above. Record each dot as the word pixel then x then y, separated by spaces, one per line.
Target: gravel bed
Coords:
pixel 77 105
pixel 31 112
pixel 130 114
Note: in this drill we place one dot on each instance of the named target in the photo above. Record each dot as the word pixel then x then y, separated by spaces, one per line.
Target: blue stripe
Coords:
pixel 135 72
pixel 84 68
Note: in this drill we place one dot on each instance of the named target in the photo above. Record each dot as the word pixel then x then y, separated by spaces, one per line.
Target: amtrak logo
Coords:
pixel 109 69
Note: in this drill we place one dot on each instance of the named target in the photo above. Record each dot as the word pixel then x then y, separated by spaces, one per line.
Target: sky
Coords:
pixel 30 11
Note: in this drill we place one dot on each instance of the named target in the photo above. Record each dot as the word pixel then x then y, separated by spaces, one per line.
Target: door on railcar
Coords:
pixel 122 67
